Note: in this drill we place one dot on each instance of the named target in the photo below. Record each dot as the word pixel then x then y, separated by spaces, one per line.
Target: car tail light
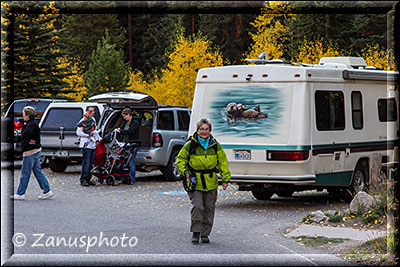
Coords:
pixel 17 125
pixel 157 140
pixel 287 155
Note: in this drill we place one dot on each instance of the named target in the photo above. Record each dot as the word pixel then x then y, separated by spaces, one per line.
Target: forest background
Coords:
pixel 73 50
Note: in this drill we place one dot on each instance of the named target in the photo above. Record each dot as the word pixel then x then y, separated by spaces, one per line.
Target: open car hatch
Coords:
pixel 124 99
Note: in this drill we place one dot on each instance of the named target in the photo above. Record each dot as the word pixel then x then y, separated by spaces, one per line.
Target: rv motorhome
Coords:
pixel 289 127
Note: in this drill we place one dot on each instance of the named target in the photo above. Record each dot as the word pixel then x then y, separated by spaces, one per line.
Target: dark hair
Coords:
pixel 126 111
pixel 88 107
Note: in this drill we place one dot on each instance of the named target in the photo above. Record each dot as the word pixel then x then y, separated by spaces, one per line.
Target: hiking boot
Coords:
pixel 17 197
pixel 195 238
pixel 46 195
pixel 205 239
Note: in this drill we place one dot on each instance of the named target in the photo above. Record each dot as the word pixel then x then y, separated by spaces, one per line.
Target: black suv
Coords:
pixel 13 121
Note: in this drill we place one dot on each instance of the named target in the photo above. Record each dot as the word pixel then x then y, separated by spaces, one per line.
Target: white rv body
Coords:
pixel 324 121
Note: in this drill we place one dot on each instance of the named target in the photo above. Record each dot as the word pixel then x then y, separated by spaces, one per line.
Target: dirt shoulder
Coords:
pixel 371 253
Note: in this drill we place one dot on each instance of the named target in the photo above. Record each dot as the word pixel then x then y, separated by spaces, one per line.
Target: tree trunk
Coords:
pixel 327 26
pixel 239 25
pixel 130 45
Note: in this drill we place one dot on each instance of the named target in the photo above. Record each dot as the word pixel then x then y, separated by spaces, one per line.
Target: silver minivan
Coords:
pixel 163 129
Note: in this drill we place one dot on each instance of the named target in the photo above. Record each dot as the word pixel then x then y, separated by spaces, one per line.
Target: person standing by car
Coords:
pixel 88 137
pixel 130 128
pixel 31 148
pixel 202 157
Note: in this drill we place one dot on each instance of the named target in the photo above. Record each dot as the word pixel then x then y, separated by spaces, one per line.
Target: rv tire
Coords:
pixel 359 182
pixel 285 193
pixel 262 195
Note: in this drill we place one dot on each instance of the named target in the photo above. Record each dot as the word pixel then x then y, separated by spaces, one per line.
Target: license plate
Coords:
pixel 242 154
pixel 62 153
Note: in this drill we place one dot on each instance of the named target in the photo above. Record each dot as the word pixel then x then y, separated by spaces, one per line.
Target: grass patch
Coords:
pixel 372 252
pixel 314 241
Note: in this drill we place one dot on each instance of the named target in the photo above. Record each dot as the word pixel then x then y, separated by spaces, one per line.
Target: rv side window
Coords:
pixel 387 110
pixel 357 111
pixel 329 110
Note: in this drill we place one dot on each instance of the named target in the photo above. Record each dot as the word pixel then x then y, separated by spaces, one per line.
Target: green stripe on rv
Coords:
pixel 266 147
pixel 273 147
pixel 337 178
pixel 391 142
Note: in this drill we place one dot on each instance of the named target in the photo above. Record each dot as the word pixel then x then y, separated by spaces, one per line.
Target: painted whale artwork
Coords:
pixel 247 111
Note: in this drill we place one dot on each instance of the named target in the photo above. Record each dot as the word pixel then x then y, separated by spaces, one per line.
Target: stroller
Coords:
pixel 112 158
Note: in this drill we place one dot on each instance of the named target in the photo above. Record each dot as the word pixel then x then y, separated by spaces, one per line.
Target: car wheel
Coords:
pixel 57 165
pixel 43 161
pixel 262 195
pixel 171 171
pixel 359 182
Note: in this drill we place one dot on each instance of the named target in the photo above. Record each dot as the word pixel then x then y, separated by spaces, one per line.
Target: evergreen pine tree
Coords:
pixel 107 71
pixel 83 31
pixel 37 50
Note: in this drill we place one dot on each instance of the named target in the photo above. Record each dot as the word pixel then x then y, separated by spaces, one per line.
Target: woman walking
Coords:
pixel 203 157
pixel 31 148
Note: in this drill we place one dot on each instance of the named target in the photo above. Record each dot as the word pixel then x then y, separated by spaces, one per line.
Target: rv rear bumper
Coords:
pixel 275 179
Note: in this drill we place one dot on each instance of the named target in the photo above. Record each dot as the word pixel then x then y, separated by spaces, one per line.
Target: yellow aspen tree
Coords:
pixel 138 83
pixel 271 33
pixel 312 51
pixel 375 55
pixel 178 80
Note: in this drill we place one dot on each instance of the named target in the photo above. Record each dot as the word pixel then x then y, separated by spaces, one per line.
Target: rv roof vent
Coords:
pixel 335 66
pixel 354 62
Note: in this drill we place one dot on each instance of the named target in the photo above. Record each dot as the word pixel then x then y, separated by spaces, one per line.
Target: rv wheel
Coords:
pixel 285 193
pixel 358 182
pixel 262 195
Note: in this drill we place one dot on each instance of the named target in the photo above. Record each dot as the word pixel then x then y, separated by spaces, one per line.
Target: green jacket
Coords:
pixel 204 160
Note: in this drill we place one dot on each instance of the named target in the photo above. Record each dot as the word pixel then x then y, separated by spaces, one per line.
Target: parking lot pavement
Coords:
pixel 152 217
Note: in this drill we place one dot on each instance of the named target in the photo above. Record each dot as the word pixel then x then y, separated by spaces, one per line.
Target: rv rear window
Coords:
pixel 329 110
pixel 387 110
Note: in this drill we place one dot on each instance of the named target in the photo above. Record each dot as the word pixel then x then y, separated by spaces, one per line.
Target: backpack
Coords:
pixel 194 144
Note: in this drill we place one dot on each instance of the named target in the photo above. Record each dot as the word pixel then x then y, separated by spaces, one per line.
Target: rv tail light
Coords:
pixel 265 75
pixel 157 140
pixel 235 75
pixel 297 75
pixel 309 75
pixel 204 76
pixel 287 155
pixel 249 75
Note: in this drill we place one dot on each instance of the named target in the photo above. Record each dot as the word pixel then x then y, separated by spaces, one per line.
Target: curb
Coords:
pixel 336 232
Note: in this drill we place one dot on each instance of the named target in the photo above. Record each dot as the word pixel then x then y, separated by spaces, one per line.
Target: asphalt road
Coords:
pixel 148 224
